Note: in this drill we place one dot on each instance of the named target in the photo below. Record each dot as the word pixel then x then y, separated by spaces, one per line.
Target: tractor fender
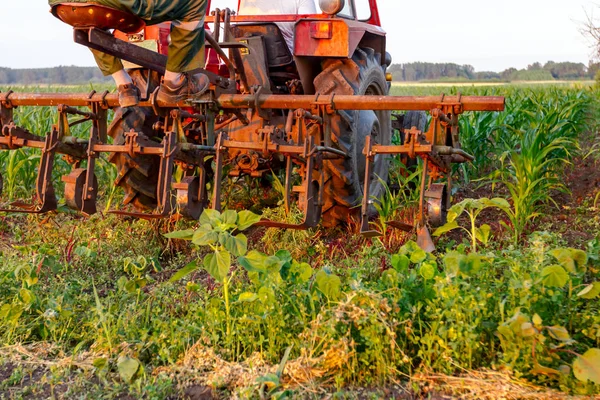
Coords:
pixel 345 37
pixel 336 37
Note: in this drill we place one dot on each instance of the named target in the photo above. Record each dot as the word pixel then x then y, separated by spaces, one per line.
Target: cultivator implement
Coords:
pixel 191 194
pixel 235 132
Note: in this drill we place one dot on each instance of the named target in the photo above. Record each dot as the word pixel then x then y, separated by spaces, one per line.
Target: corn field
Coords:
pixel 507 307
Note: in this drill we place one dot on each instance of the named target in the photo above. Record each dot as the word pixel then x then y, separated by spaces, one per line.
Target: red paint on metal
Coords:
pixel 374 20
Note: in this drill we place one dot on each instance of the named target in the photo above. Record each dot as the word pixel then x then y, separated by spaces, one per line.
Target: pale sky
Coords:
pixel 488 35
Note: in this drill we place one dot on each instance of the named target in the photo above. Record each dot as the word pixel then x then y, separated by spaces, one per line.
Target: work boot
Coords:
pixel 191 86
pixel 129 95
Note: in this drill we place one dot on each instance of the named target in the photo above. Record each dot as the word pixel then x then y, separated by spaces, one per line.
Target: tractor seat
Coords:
pixel 278 53
pixel 85 15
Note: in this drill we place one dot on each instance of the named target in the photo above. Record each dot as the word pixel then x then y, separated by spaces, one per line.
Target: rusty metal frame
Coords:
pixel 430 145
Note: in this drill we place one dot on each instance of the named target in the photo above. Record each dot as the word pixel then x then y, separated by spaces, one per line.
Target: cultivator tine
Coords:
pixel 81 185
pixel 313 191
pixel 424 239
pixel 365 228
pixel 288 183
pixel 45 190
pixel 216 197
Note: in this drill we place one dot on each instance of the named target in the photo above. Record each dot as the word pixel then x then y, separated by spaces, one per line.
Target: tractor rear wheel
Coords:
pixel 344 178
pixel 417 119
pixel 138 176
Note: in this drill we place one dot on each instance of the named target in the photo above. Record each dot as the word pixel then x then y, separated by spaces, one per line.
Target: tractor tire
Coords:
pixel 138 176
pixel 417 119
pixel 344 178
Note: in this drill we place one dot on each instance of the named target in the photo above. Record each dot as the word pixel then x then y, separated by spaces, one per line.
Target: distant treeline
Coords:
pixel 411 72
pixel 58 75
pixel 420 71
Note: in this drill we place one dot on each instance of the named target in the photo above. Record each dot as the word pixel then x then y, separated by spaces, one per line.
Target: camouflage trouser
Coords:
pixel 186 50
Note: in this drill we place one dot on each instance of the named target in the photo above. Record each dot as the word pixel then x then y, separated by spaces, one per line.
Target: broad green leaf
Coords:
pixel 590 292
pixel 400 262
pixel 100 363
pixel 254 261
pixel 246 219
pixel 205 235
pixel 247 297
pixel 223 237
pixel 217 264
pixel 185 271
pixel 187 234
pixel 573 260
pixel 427 270
pixel 457 209
pixel 587 367
pixel 229 217
pixel 559 333
pixel 581 259
pixel 409 248
pixel 287 259
pixel 301 272
pixel 26 296
pixel 236 245
pixel 15 313
pixel 223 262
pixel 563 256
pixel 5 311
pixel 471 264
pixel 390 278
pixel 517 321
pixel 537 321
pixel 274 264
pixel 498 202
pixel 128 367
pixel 418 256
pixel 284 255
pixel 328 284
pixel 554 276
pixel 483 233
pixel 451 225
pixel 266 295
pixel 505 331
pixel 210 217
pixel 452 262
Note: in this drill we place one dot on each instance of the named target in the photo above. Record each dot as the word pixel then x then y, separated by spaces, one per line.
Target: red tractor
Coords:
pixel 321 116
